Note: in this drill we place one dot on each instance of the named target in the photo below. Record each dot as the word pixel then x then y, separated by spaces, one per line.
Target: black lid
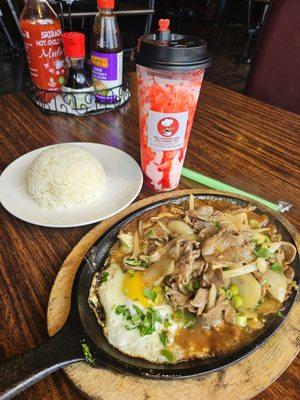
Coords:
pixel 175 52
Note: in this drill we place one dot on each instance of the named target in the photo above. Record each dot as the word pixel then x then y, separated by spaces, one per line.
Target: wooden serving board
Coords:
pixel 240 381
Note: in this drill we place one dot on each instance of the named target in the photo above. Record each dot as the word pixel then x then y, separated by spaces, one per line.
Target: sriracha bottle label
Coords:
pixel 43 45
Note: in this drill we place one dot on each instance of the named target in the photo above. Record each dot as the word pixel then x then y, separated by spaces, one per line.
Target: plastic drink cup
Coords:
pixel 170 71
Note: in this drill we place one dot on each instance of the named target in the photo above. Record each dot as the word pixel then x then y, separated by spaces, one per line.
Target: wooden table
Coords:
pixel 235 139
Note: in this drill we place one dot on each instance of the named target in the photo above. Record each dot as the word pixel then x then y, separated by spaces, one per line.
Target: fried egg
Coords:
pixel 123 300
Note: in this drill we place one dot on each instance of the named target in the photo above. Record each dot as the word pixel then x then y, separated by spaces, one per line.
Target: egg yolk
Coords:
pixel 134 286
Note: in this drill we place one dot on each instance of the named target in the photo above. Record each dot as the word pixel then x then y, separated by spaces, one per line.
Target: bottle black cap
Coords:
pixel 171 51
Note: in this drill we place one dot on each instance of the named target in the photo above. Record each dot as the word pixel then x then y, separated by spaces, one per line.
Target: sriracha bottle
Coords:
pixel 41 32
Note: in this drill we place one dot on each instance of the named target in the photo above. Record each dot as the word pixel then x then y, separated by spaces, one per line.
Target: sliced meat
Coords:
pixel 176 299
pixel 289 251
pixel 289 273
pixel 230 315
pixel 200 225
pixel 238 254
pixel 158 234
pixel 209 231
pixel 185 266
pixel 200 300
pixel 224 240
pixel 233 254
pixel 198 267
pixel 214 316
pixel 204 212
pixel 126 267
pixel 214 276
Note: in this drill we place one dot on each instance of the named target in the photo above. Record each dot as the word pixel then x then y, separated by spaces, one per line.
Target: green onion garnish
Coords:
pixel 276 267
pixel 87 353
pixel 163 338
pixel 262 253
pixel 241 320
pixel 149 294
pixel 168 355
pixel 104 277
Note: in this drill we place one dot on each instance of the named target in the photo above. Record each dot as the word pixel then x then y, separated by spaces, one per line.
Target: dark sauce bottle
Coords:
pixel 106 54
pixel 77 89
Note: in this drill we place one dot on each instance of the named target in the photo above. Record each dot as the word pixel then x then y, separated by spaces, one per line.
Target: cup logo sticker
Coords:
pixel 167 127
pixel 166 131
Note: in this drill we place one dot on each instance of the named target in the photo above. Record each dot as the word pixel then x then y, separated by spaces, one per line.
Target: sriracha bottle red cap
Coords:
pixel 74 44
pixel 106 4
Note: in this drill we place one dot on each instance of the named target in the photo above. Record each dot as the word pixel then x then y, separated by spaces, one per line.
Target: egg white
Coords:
pixel 130 342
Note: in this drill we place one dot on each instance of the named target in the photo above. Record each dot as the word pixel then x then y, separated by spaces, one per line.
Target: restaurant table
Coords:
pixel 235 139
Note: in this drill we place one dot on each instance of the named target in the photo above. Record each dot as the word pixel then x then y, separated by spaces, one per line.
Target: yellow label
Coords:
pixel 99 61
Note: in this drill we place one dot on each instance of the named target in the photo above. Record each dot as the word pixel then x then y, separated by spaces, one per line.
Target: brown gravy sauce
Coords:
pixel 200 342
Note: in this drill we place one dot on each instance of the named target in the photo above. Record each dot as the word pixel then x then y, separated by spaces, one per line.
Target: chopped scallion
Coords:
pixel 276 267
pixel 104 277
pixel 241 320
pixel 163 338
pixel 237 301
pixel 149 294
pixel 168 355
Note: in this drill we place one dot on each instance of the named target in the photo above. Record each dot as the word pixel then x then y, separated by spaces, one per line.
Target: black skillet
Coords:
pixel 82 328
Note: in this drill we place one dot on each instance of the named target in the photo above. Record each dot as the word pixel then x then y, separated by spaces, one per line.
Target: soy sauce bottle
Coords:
pixel 106 54
pixel 77 84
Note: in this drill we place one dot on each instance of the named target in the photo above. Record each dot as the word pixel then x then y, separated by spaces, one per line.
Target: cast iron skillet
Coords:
pixel 82 328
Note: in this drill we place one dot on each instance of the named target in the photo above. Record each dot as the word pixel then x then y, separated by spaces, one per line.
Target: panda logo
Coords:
pixel 167 126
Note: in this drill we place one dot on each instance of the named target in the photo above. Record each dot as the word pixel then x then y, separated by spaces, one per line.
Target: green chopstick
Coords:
pixel 214 184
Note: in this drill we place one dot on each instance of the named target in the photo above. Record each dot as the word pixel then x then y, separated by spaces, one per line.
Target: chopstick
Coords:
pixel 214 184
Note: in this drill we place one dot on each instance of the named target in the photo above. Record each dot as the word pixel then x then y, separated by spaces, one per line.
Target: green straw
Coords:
pixel 214 184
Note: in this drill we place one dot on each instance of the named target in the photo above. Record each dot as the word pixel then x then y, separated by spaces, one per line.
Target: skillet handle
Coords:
pixel 18 373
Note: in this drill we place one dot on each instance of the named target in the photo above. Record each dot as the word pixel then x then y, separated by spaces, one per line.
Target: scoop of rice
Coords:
pixel 65 176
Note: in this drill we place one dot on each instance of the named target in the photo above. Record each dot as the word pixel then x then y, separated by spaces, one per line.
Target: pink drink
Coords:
pixel 167 103
pixel 170 69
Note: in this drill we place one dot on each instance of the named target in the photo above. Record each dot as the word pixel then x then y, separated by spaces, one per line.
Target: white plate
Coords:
pixel 124 182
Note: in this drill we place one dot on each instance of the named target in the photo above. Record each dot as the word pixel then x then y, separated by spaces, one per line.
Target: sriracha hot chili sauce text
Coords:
pixel 170 70
pixel 41 31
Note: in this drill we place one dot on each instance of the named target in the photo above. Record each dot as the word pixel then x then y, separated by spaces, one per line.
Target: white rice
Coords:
pixel 65 176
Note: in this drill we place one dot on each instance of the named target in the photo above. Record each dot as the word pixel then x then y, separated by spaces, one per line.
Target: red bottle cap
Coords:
pixel 106 4
pixel 164 24
pixel 74 44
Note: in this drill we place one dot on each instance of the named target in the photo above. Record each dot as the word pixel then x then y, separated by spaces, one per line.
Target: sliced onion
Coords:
pixel 162 215
pixel 249 290
pixel 274 247
pixel 154 257
pixel 164 228
pixel 192 202
pixel 212 297
pixel 157 271
pixel 276 284
pixel 245 269
pixel 262 265
pixel 141 230
pixel 136 245
pixel 180 228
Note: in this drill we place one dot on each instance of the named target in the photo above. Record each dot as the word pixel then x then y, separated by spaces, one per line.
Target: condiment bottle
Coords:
pixel 41 32
pixel 106 54
pixel 77 84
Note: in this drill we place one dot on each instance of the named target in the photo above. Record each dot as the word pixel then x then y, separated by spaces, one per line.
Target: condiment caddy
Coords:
pixel 59 71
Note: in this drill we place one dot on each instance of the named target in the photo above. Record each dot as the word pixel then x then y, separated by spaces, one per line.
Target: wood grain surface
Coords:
pixel 239 381
pixel 235 139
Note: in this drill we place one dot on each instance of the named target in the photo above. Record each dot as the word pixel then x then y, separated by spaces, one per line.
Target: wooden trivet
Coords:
pixel 240 381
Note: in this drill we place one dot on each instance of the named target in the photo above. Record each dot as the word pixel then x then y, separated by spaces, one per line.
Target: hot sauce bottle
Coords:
pixel 106 54
pixel 41 32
